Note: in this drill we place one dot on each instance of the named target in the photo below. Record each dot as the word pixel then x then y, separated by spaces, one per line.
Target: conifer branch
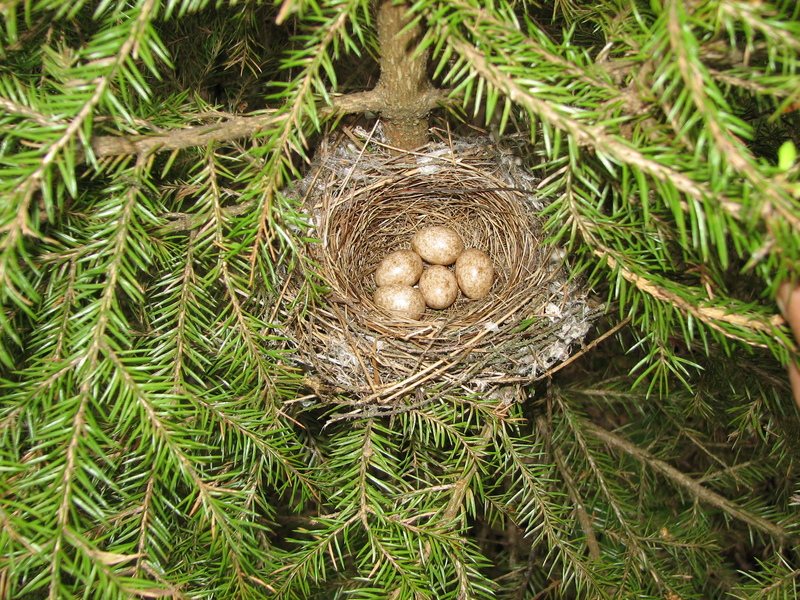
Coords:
pixel 479 20
pixel 542 515
pixel 32 183
pixel 681 40
pixel 701 493
pixel 240 316
pixel 305 566
pixel 580 510
pixel 786 579
pixel 462 486
pixel 290 470
pixel 147 515
pixel 232 128
pixel 288 135
pixel 15 108
pixel 585 135
pixel 711 315
pixel 614 501
pixel 751 85
pixel 752 16
pixel 598 137
pixel 66 487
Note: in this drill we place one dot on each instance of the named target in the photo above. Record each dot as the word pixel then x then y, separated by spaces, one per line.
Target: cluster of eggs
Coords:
pixel 437 286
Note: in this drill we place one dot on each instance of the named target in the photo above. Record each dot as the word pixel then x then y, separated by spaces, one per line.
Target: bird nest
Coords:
pixel 366 203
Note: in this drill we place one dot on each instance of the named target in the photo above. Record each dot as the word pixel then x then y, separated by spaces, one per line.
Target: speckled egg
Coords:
pixel 403 267
pixel 438 286
pixel 438 245
pixel 474 273
pixel 400 301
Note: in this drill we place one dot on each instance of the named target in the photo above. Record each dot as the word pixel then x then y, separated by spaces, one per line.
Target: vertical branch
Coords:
pixel 406 94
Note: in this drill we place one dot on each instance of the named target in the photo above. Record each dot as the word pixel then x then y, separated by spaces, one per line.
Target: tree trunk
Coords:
pixel 406 93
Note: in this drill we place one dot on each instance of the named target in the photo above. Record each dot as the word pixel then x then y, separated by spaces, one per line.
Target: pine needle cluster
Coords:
pixel 157 436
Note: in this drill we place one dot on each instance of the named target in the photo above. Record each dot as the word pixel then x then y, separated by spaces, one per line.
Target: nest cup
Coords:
pixel 368 204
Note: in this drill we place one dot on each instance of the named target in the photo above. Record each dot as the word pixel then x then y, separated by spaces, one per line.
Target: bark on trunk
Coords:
pixel 406 94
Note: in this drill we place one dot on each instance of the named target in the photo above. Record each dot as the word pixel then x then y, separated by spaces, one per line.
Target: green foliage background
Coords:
pixel 156 437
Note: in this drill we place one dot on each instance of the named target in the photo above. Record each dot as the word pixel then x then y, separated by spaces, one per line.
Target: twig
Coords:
pixel 731 148
pixel 597 136
pixel 693 487
pixel 462 485
pixel 765 591
pixel 588 348
pixel 583 517
pixel 176 139
pixel 19 109
pixel 225 131
pixel 707 314
pixel 190 221
pixel 748 84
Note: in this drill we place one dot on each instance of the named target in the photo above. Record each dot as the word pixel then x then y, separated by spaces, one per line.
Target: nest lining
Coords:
pixel 367 204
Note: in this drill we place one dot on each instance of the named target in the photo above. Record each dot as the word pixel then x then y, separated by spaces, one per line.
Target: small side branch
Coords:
pixel 177 139
pixel 234 128
pixel 710 315
pixel 580 510
pixel 701 493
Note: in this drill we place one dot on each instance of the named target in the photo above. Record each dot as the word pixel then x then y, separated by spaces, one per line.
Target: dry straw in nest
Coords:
pixel 367 203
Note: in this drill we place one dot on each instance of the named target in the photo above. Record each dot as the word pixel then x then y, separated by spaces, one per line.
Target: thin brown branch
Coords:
pixel 595 136
pixel 228 130
pixel 701 493
pixel 358 102
pixel 192 221
pixel 476 19
pixel 18 109
pixel 750 85
pixel 786 579
pixel 585 135
pixel 176 139
pixel 750 14
pixel 574 495
pixel 461 487
pixel 710 315
pixel 102 84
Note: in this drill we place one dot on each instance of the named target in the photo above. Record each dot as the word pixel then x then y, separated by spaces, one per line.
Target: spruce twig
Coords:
pixel 580 509
pixel 700 492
